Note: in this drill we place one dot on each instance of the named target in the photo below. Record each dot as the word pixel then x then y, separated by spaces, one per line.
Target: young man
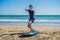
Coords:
pixel 31 15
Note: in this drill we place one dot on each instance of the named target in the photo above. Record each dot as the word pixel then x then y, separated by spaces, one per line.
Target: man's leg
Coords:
pixel 29 26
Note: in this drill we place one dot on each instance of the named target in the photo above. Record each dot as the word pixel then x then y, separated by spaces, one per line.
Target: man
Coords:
pixel 31 15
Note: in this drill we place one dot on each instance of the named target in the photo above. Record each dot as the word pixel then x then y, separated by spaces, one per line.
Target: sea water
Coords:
pixel 23 20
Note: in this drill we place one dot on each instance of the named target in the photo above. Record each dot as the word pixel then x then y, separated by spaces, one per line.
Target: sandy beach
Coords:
pixel 12 32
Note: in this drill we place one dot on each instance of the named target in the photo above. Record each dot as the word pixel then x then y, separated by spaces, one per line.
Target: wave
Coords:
pixel 21 20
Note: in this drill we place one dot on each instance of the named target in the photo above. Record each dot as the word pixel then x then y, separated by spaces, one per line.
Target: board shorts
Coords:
pixel 31 20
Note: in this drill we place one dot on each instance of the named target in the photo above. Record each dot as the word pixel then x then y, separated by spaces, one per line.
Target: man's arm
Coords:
pixel 26 10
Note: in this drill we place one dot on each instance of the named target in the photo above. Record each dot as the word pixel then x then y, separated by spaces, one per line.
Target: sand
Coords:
pixel 12 32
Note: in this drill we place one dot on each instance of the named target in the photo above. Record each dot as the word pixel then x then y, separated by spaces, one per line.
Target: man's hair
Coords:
pixel 30 6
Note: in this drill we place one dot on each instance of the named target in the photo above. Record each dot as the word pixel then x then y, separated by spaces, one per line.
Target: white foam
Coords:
pixel 17 20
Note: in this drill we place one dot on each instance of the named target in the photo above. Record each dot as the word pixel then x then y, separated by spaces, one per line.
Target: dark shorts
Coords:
pixel 31 20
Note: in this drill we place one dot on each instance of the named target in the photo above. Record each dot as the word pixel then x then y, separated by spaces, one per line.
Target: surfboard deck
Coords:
pixel 28 34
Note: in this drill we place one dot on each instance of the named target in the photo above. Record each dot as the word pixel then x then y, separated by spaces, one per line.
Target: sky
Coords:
pixel 41 7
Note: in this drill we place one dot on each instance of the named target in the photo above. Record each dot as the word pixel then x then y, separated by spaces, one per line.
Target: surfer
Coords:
pixel 31 15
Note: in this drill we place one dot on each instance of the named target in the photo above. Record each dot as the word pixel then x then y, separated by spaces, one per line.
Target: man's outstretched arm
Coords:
pixel 26 10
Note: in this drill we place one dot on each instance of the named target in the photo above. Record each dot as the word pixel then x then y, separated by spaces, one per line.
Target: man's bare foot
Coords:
pixel 31 30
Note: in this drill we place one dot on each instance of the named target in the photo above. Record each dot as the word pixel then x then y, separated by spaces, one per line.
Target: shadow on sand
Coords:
pixel 21 35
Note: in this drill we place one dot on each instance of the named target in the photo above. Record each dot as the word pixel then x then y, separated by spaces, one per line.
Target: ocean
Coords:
pixel 23 20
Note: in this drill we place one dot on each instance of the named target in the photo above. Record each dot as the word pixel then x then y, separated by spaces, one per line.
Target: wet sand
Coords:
pixel 12 32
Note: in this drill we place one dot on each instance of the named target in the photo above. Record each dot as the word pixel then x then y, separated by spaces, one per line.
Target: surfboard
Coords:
pixel 28 34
